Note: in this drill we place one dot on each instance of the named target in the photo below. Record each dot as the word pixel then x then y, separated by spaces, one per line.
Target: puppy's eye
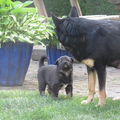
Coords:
pixel 68 60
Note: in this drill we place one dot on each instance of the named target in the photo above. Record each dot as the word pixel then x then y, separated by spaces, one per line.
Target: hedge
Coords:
pixel 88 7
pixel 97 7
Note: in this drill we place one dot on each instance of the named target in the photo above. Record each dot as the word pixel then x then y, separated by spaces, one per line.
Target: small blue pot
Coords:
pixel 14 62
pixel 53 54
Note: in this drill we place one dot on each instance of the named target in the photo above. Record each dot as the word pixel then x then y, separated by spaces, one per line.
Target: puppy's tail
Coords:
pixel 41 62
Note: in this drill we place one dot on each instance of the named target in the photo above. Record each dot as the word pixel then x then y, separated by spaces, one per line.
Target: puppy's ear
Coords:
pixel 56 20
pixel 56 63
pixel 72 60
pixel 73 12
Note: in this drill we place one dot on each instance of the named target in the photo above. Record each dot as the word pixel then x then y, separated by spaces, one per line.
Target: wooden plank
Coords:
pixel 41 8
pixel 75 3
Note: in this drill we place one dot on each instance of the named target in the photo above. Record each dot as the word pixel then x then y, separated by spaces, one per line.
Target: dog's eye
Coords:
pixel 68 60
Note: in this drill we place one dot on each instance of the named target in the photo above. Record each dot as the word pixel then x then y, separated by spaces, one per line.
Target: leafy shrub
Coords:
pixel 19 23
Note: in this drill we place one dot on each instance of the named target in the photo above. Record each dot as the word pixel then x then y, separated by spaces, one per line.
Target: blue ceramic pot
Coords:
pixel 53 54
pixel 14 62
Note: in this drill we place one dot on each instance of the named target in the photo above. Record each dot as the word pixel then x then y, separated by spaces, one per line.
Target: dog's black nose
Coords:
pixel 65 65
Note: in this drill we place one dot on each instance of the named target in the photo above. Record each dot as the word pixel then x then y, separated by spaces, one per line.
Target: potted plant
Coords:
pixel 20 28
pixel 53 48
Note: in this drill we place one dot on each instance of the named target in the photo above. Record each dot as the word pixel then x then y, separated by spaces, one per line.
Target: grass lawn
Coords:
pixel 29 105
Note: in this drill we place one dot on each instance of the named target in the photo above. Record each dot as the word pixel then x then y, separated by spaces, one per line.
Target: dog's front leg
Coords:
pixel 91 82
pixel 101 71
pixel 55 91
pixel 69 90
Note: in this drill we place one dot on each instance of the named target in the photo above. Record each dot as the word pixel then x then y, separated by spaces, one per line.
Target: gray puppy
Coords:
pixel 56 76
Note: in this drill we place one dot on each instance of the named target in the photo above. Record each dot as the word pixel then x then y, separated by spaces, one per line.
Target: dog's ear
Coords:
pixel 72 60
pixel 56 20
pixel 73 12
pixel 56 62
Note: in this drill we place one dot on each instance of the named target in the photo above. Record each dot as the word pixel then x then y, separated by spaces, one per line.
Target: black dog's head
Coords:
pixel 64 63
pixel 66 25
pixel 70 33
pixel 67 29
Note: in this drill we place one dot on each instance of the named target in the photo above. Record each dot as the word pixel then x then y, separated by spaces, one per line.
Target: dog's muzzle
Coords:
pixel 66 66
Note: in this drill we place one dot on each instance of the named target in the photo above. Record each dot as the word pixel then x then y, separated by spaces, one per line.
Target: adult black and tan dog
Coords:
pixel 56 76
pixel 95 43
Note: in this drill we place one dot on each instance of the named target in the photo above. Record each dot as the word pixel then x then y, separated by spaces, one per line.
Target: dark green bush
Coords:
pixel 88 7
pixel 58 7
pixel 97 7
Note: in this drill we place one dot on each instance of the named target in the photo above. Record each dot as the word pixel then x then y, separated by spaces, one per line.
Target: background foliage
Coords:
pixel 93 7
pixel 58 7
pixel 88 7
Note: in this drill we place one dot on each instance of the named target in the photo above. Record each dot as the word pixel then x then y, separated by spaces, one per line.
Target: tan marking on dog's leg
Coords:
pixel 88 62
pixel 102 97
pixel 69 95
pixel 117 98
pixel 92 81
pixel 42 93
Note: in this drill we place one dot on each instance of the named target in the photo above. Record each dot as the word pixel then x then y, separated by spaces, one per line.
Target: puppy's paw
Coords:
pixel 99 105
pixel 117 98
pixel 42 93
pixel 69 95
pixel 85 102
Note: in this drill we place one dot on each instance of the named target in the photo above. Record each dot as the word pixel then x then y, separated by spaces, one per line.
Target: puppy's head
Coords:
pixel 64 63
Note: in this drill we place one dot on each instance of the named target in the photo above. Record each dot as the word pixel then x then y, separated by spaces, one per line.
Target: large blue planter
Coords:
pixel 14 62
pixel 53 54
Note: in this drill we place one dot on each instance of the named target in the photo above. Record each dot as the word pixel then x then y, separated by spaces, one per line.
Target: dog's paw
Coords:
pixel 99 105
pixel 85 102
pixel 117 98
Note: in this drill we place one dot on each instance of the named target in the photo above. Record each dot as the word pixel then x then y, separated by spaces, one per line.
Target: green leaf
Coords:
pixel 25 39
pixel 28 40
pixel 4 11
pixel 33 24
pixel 23 10
pixel 24 19
pixel 2 3
pixel 14 18
pixel 1 33
pixel 10 3
pixel 41 19
pixel 17 4
pixel 12 38
pixel 4 20
pixel 25 4
pixel 6 40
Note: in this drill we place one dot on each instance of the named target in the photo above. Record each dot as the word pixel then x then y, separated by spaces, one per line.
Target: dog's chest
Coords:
pixel 63 86
pixel 88 62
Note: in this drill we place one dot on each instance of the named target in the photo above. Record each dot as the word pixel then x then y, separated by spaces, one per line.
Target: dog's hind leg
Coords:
pixel 101 71
pixel 69 90
pixel 49 90
pixel 42 87
pixel 91 82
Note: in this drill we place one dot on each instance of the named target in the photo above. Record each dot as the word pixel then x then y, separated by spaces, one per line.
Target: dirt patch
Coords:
pixel 80 80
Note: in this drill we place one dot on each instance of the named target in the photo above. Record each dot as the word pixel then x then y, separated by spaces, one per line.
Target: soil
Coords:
pixel 80 77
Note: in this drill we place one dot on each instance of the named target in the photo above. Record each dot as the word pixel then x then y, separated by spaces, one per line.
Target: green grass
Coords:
pixel 29 105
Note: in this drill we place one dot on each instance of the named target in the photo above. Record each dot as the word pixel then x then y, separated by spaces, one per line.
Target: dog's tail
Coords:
pixel 41 62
